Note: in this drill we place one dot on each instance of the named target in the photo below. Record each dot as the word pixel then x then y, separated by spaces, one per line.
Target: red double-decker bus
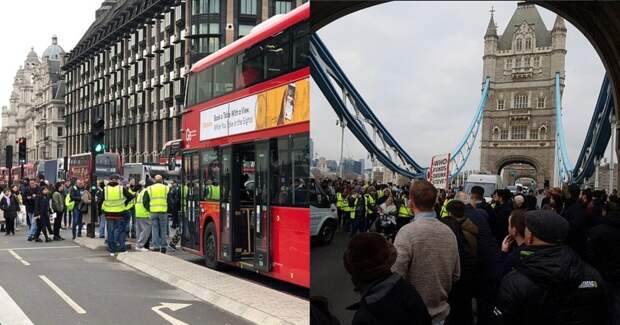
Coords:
pixel 80 166
pixel 246 152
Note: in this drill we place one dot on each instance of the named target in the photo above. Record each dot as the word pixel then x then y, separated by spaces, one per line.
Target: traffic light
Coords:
pixel 9 156
pixel 21 142
pixel 97 136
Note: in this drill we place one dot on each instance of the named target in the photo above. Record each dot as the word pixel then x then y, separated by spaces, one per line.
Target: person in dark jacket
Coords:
pixel 174 203
pixel 58 206
pixel 477 199
pixel 488 260
pixel 551 285
pixel 499 224
pixel 603 253
pixel 76 193
pixel 575 213
pixel 30 194
pixel 387 299
pixel 514 242
pixel 10 207
pixel 42 214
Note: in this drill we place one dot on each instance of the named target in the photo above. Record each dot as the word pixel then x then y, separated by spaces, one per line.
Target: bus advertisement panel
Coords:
pixel 245 152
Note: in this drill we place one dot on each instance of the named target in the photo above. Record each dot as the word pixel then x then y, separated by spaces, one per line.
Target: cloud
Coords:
pixel 419 66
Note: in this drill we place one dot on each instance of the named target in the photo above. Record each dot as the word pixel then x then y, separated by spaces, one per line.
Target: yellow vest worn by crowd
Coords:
pixel 339 201
pixel 158 198
pixel 370 203
pixel 69 203
pixel 132 202
pixel 444 209
pixel 113 199
pixel 404 211
pixel 141 211
pixel 213 192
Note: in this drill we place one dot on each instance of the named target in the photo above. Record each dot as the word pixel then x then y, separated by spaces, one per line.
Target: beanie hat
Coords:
pixel 368 257
pixel 547 225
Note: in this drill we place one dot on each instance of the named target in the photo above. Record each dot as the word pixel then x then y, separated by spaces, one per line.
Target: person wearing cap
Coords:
pixel 115 198
pixel 386 298
pixel 155 201
pixel 428 254
pixel 552 284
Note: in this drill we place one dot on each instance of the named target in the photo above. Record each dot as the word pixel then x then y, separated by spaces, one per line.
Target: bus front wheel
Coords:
pixel 210 248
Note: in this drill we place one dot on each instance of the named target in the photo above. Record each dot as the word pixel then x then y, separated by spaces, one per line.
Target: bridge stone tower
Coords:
pixel 518 125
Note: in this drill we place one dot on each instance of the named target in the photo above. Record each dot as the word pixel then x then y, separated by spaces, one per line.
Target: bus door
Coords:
pixel 190 193
pixel 243 201
pixel 228 199
pixel 262 222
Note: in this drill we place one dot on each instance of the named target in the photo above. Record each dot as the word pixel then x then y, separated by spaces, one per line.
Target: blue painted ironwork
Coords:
pixel 562 161
pixel 461 153
pixel 598 135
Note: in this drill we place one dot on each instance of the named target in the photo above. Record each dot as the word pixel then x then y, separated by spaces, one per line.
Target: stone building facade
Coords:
pixel 519 117
pixel 36 109
pixel 129 67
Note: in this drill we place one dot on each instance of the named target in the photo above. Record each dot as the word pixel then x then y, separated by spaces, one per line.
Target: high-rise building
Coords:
pixel 129 67
pixel 518 124
pixel 36 109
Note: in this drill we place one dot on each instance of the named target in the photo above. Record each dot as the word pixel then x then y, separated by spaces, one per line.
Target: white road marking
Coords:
pixel 35 248
pixel 63 295
pixel 173 307
pixel 10 313
pixel 19 258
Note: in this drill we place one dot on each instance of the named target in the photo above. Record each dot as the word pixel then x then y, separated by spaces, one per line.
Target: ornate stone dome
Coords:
pixel 54 51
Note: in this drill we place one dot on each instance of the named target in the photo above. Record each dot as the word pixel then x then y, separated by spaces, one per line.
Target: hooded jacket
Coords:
pixel 551 286
pixel 391 301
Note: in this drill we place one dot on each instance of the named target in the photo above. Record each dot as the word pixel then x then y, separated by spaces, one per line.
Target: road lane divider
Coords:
pixel 10 313
pixel 19 258
pixel 35 248
pixel 63 295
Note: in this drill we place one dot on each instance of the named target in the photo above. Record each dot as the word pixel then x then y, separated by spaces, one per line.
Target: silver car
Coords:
pixel 323 216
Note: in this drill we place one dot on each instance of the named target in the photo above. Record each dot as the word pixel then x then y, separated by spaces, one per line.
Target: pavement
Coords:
pixel 330 279
pixel 63 283
pixel 248 300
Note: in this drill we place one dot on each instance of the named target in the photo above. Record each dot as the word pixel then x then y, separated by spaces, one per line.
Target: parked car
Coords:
pixel 323 216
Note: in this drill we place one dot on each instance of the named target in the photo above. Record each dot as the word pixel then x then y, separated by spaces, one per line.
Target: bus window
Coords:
pixel 277 50
pixel 280 163
pixel 301 168
pixel 204 85
pixel 223 77
pixel 211 175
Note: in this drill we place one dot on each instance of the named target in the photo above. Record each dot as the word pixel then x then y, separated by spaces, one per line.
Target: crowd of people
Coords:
pixel 422 256
pixel 122 208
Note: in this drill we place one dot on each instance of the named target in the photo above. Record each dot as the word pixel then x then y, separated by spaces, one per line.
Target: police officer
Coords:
pixel 114 207
pixel 156 202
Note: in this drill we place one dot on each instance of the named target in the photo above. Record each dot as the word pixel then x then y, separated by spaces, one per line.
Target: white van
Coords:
pixel 323 215
pixel 490 183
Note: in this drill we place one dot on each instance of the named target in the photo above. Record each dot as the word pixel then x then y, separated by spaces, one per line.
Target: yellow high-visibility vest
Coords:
pixel 132 202
pixel 113 199
pixel 158 194
pixel 404 211
pixel 141 211
pixel 339 201
pixel 214 192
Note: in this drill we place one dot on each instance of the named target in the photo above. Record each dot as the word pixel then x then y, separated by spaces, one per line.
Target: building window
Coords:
pixel 60 132
pixel 541 102
pixel 528 43
pixel 495 133
pixel 533 134
pixel 59 151
pixel 519 44
pixel 247 7
pixel 543 132
pixel 519 132
pixel 205 7
pixel 204 28
pixel 244 30
pixel 504 135
pixel 500 104
pixel 282 7
pixel 537 62
pixel 520 101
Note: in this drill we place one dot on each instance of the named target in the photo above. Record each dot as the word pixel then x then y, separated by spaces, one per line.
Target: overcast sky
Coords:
pixel 419 66
pixel 27 24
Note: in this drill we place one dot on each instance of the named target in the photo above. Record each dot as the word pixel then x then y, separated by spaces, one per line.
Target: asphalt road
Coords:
pixel 330 280
pixel 62 283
